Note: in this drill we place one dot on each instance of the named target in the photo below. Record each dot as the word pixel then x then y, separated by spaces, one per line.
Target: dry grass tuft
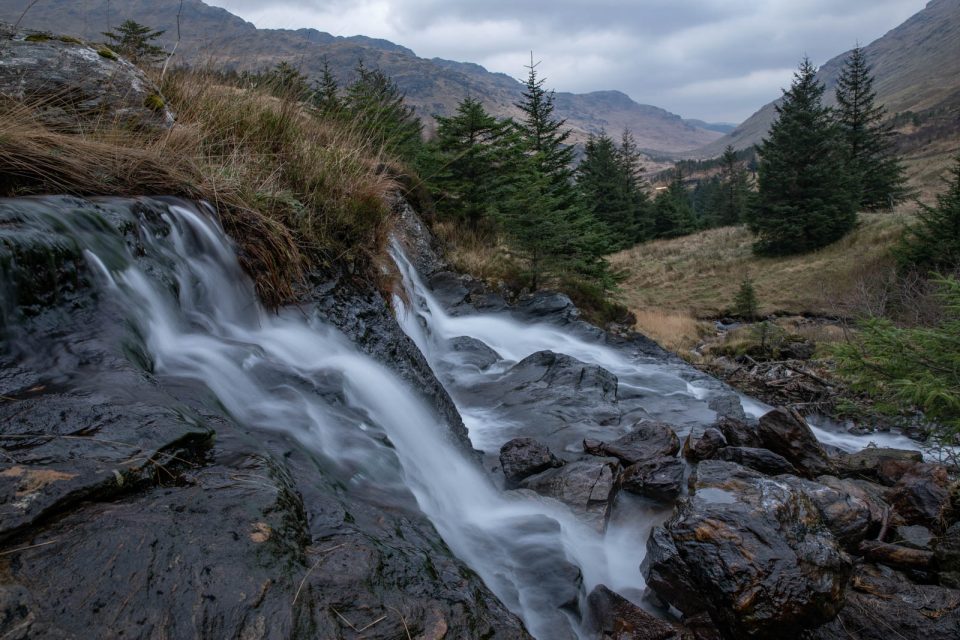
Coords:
pixel 671 330
pixel 295 191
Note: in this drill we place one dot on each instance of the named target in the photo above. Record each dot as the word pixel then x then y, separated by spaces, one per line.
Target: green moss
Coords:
pixel 37 37
pixel 154 102
pixel 69 40
pixel 106 52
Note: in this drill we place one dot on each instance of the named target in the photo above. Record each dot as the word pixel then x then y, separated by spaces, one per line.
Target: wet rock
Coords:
pixel 522 457
pixel 548 305
pixel 896 556
pixel 587 486
pixel 867 462
pixel 728 407
pixel 72 84
pixel 882 604
pixel 922 495
pixel 785 432
pixel 738 433
pixel 914 537
pixel 847 510
pixel 890 470
pixel 762 460
pixel 751 551
pixel 658 479
pixel 946 553
pixel 702 444
pixel 797 350
pixel 646 441
pixel 614 617
pixel 473 352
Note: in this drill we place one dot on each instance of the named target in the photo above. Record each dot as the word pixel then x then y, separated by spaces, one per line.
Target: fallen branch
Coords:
pixel 362 629
pixel 32 546
pixel 895 556
pixel 310 570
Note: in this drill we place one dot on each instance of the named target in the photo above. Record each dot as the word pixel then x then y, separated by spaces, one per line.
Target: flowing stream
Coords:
pixel 197 316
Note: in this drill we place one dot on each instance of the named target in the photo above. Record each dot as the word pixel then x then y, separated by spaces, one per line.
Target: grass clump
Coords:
pixel 107 52
pixel 38 37
pixel 155 102
pixel 297 192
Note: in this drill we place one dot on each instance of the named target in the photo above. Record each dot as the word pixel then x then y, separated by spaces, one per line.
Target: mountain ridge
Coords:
pixel 213 35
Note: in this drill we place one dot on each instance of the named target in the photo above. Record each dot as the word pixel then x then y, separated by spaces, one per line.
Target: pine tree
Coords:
pixel 605 187
pixel 473 162
pixel 134 41
pixel 630 160
pixel 934 242
pixel 730 203
pixel 880 181
pixel 378 107
pixel 673 214
pixel 805 200
pixel 745 303
pixel 286 81
pixel 326 92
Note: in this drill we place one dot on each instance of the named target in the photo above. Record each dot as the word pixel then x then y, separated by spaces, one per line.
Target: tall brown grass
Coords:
pixel 296 191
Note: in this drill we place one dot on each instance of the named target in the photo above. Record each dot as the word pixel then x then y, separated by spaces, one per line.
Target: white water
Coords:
pixel 264 370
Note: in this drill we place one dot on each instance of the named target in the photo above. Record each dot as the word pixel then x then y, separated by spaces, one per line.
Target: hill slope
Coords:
pixel 917 69
pixel 214 35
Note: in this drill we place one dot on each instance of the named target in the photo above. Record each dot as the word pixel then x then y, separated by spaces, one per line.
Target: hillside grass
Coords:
pixel 295 191
pixel 698 276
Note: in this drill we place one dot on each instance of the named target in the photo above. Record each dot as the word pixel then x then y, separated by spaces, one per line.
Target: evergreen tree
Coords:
pixel 605 184
pixel 631 167
pixel 326 92
pixel 745 303
pixel 286 81
pixel 730 203
pixel 378 107
pixel 876 170
pixel 474 162
pixel 134 41
pixel 805 200
pixel 672 212
pixel 934 242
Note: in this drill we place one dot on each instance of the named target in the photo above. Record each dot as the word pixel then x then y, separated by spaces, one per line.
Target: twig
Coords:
pixel 885 525
pixel 176 44
pixel 310 570
pixel 361 630
pixel 32 546
pixel 23 15
pixel 404 621
pixel 804 372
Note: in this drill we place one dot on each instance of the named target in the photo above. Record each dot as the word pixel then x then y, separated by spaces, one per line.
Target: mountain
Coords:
pixel 211 35
pixel 917 75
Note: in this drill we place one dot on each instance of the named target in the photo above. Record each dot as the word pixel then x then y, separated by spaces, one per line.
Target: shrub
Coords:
pixel 745 303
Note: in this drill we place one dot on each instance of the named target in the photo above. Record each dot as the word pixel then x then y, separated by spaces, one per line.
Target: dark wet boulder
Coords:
pixel 659 479
pixel 785 432
pixel 702 444
pixel 728 407
pixel 914 537
pixel 868 462
pixel 523 457
pixel 473 352
pixel 547 305
pixel 75 85
pixel 751 551
pixel 922 495
pixel 738 433
pixel 884 604
pixel 947 556
pixel 762 460
pixel 613 617
pixel 847 510
pixel 646 441
pixel 586 486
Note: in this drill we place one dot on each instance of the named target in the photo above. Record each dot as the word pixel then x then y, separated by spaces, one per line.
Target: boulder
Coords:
pixel 586 486
pixel 658 479
pixel 762 460
pixel 473 352
pixel 883 604
pixel 785 432
pixel 751 551
pixel 613 617
pixel 702 444
pixel 522 457
pixel 738 433
pixel 847 510
pixel 867 462
pixel 914 537
pixel 946 554
pixel 922 495
pixel 647 441
pixel 71 84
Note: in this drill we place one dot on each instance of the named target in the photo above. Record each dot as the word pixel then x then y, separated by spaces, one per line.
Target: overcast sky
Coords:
pixel 718 60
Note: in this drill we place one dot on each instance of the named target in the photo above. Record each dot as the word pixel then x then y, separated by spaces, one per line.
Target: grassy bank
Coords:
pixel 296 191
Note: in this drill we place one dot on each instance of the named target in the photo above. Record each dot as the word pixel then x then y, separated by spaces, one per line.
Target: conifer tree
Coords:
pixel 377 104
pixel 286 81
pixel 672 212
pixel 631 167
pixel 934 242
pixel 605 186
pixel 134 41
pixel 730 203
pixel 878 174
pixel 326 91
pixel 805 200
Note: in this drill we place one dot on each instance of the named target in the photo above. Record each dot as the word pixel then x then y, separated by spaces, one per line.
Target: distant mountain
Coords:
pixel 917 73
pixel 720 127
pixel 215 36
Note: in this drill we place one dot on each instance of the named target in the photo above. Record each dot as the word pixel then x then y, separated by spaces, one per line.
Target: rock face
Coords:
pixel 947 555
pixel 786 433
pixel 922 495
pixel 659 479
pixel 703 444
pixel 134 505
pixel 868 462
pixel 762 460
pixel 751 551
pixel 523 457
pixel 646 441
pixel 74 82
pixel 587 486
pixel 614 617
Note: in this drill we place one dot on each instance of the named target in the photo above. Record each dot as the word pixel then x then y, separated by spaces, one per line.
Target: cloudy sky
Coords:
pixel 718 60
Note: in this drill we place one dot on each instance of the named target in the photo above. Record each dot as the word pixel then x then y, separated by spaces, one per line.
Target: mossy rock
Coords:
pixel 108 53
pixel 155 102
pixel 38 37
pixel 69 40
